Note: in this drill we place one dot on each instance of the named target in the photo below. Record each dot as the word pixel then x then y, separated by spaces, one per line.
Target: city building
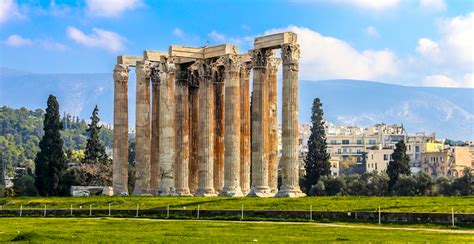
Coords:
pixel 447 162
pixel 421 143
pixel 377 160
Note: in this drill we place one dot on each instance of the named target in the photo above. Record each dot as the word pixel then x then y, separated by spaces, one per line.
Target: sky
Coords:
pixel 405 42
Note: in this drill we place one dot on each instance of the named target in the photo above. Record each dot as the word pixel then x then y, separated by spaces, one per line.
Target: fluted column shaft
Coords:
pixel 167 152
pixel 245 128
pixel 272 64
pixel 120 132
pixel 193 130
pixel 155 132
pixel 219 128
pixel 290 164
pixel 259 124
pixel 232 127
pixel 182 132
pixel 206 130
pixel 142 130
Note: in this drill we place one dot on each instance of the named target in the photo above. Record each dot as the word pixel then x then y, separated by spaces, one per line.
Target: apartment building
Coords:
pixel 377 160
pixel 448 162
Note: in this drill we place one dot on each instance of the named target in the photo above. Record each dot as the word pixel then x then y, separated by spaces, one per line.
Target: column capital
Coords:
pixel 273 62
pixel 290 53
pixel 143 69
pixel 121 73
pixel 245 68
pixel 232 63
pixel 260 57
pixel 155 75
pixel 182 74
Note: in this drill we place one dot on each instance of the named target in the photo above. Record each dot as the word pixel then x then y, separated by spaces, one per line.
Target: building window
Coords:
pixel 385 157
pixel 345 142
pixel 333 142
pixel 375 166
pixel 372 142
pixel 344 150
pixel 338 151
pixel 417 149
pixel 359 142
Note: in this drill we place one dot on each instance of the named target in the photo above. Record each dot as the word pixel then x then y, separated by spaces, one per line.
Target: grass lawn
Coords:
pixel 388 204
pixel 145 230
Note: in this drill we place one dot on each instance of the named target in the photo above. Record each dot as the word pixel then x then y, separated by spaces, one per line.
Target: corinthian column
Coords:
pixel 290 165
pixel 245 128
pixel 260 124
pixel 232 127
pixel 219 115
pixel 272 71
pixel 193 128
pixel 120 143
pixel 167 132
pixel 206 130
pixel 142 130
pixel 182 131
pixel 155 131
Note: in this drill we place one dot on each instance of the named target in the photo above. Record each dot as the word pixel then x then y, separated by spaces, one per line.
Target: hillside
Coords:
pixel 447 111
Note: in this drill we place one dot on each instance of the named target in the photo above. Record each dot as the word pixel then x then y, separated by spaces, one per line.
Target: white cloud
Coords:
pixel 371 5
pixel 445 81
pixel 99 39
pixel 217 36
pixel 371 31
pixel 178 32
pixel 429 49
pixel 51 45
pixel 8 10
pixel 111 8
pixel 17 41
pixel 433 5
pixel 324 57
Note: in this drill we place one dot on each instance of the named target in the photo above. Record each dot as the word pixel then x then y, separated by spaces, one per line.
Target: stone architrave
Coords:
pixel 167 150
pixel 193 78
pixel 120 140
pixel 260 138
pixel 219 115
pixel 272 71
pixel 232 127
pixel 155 130
pixel 142 130
pixel 290 163
pixel 206 129
pixel 245 127
pixel 182 131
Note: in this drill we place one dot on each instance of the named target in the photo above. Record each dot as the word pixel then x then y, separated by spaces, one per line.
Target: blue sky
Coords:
pixel 408 42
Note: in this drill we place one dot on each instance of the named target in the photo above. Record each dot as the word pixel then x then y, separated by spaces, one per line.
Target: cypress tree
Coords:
pixel 50 160
pixel 317 161
pixel 398 165
pixel 95 150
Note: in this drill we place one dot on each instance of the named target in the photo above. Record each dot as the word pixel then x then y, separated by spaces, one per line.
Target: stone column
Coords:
pixel 245 128
pixel 219 127
pixel 193 128
pixel 232 127
pixel 260 123
pixel 120 143
pixel 155 131
pixel 167 132
pixel 272 72
pixel 290 164
pixel 142 130
pixel 206 130
pixel 182 131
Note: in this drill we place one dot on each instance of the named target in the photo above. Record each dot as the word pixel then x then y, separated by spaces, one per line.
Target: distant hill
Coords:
pixel 447 111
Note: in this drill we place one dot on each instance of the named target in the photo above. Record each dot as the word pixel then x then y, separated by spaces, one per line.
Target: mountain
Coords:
pixel 447 111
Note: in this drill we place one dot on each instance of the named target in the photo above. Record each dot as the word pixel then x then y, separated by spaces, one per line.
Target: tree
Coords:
pixel 95 151
pixel 464 185
pixel 399 165
pixel 51 161
pixel 317 161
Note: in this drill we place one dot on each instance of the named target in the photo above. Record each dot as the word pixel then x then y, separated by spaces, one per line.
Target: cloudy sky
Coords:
pixel 407 42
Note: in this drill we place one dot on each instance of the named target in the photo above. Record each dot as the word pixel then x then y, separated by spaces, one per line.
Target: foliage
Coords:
pixel 464 185
pixel 399 165
pixel 50 161
pixel 25 186
pixel 317 160
pixel 95 151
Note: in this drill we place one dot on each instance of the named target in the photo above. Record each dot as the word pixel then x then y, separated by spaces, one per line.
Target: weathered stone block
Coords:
pixel 154 56
pixel 275 40
pixel 129 60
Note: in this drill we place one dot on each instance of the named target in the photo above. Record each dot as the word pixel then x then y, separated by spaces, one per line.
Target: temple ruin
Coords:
pixel 195 133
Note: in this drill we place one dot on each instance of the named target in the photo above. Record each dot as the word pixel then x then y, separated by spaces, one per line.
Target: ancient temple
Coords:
pixel 195 133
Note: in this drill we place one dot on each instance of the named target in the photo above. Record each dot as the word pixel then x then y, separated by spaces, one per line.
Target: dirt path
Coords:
pixel 372 227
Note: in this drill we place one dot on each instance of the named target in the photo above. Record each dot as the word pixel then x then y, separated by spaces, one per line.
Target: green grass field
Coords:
pixel 145 230
pixel 388 204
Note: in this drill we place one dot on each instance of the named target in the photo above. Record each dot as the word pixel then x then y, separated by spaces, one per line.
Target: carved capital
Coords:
pixel 204 69
pixel 245 68
pixel 290 53
pixel 257 56
pixel 121 73
pixel 155 74
pixel 273 62
pixel 232 63
pixel 143 69
pixel 181 75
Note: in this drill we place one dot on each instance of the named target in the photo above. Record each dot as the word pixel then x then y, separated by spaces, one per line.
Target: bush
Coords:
pixel 25 186
pixel 377 184
pixel 424 185
pixel 405 186
pixel 333 186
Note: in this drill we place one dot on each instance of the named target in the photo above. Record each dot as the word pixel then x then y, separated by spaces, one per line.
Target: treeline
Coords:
pixel 375 184
pixel 22 129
